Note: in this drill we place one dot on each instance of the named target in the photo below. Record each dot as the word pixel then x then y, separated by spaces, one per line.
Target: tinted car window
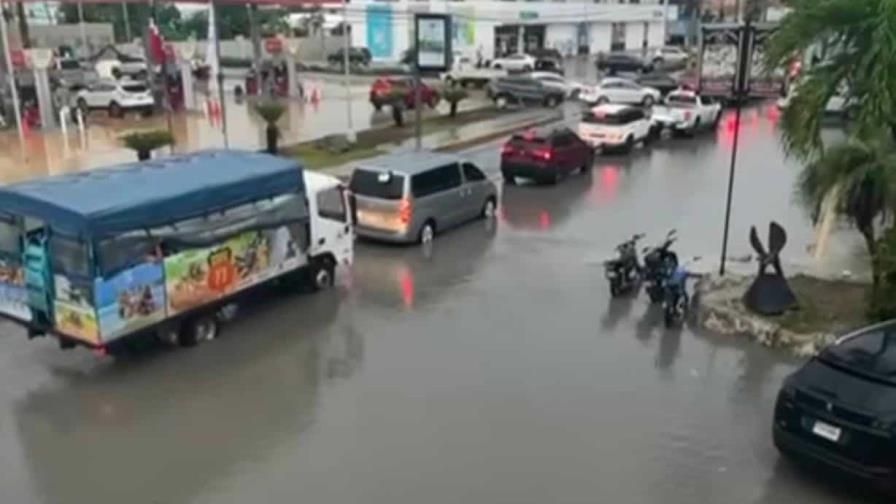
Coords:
pixel 134 88
pixel 563 139
pixel 681 100
pixel 872 353
pixel 377 184
pixel 435 180
pixel 472 173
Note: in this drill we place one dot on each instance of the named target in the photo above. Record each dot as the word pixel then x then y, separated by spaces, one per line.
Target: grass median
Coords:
pixel 375 141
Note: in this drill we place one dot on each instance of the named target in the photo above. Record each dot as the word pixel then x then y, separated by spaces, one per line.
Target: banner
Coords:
pixel 13 295
pixel 433 41
pixel 379 30
pixel 130 300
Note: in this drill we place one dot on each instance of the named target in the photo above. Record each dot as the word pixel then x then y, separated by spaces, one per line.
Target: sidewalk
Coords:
pixel 466 135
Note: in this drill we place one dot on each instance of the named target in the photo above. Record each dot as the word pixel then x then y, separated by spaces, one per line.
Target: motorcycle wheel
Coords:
pixel 615 289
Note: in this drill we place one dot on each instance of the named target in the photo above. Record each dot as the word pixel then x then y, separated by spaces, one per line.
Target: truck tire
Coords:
pixel 203 327
pixel 322 274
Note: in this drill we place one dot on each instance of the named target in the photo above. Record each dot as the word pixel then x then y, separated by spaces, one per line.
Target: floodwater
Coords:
pixel 493 368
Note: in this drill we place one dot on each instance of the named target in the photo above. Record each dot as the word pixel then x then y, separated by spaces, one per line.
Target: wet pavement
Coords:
pixel 494 368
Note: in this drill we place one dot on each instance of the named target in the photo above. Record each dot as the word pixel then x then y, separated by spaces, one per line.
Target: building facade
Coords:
pixel 495 28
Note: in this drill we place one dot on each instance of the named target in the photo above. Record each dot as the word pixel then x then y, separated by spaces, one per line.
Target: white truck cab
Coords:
pixel 332 231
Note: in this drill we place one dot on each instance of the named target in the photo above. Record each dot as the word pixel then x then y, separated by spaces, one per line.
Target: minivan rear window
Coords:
pixel 377 184
pixel 681 101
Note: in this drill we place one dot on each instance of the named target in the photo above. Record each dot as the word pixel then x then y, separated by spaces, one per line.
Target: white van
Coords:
pixel 614 126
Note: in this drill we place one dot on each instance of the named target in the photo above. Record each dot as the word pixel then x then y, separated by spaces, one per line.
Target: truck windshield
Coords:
pixel 682 101
pixel 377 184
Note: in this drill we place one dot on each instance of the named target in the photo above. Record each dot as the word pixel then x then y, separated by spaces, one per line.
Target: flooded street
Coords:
pixel 495 369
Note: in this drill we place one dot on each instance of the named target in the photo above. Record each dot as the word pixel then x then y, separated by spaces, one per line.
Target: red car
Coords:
pixel 384 86
pixel 545 155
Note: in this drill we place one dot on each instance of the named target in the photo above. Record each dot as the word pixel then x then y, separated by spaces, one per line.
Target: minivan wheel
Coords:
pixel 488 210
pixel 427 232
pixel 551 101
pixel 323 275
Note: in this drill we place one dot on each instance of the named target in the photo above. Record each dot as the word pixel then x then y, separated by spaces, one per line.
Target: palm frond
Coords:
pixel 148 140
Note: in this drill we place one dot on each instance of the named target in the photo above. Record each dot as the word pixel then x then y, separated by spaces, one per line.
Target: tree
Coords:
pixel 857 42
pixel 144 142
pixel 271 112
pixel 860 177
pixel 453 96
pixel 168 18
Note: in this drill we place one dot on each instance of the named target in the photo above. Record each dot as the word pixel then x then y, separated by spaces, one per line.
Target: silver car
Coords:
pixel 409 197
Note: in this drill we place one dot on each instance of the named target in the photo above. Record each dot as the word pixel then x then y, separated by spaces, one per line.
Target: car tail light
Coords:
pixel 507 150
pixel 543 154
pixel 404 211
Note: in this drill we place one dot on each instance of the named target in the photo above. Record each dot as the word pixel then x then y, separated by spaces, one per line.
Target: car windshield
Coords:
pixel 872 354
pixel 603 118
pixel 377 184
pixel 134 88
pixel 681 101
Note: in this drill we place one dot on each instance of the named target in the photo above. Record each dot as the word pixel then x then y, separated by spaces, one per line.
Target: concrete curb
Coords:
pixel 719 309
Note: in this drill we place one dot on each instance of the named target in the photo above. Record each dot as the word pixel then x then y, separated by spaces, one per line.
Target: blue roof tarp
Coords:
pixel 107 201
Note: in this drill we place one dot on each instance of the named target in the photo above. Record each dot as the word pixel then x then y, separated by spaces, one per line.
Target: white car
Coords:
pixel 116 97
pixel 836 105
pixel 614 126
pixel 518 61
pixel 686 112
pixel 670 54
pixel 555 81
pixel 617 90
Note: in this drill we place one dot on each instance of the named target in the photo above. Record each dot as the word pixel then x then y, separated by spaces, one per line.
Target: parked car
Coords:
pixel 616 90
pixel 547 60
pixel 570 89
pixel 116 97
pixel 545 155
pixel 622 62
pixel 839 409
pixel 464 72
pixel 411 196
pixel 838 104
pixel 516 62
pixel 384 86
pixel 660 81
pixel 617 127
pixel 524 90
pixel 670 55
pixel 356 56
pixel 685 112
pixel 111 63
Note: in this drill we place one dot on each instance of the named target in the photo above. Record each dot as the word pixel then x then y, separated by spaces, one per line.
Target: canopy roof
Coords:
pixel 103 202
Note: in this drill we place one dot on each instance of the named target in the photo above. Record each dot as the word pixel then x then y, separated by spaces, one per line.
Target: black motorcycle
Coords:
pixel 660 263
pixel 624 272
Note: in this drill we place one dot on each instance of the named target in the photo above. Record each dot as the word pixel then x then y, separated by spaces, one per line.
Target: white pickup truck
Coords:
pixel 686 112
pixel 465 72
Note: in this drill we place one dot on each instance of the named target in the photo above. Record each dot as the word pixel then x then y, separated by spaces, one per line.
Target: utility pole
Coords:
pixel 346 64
pixel 11 77
pixel 418 114
pixel 127 23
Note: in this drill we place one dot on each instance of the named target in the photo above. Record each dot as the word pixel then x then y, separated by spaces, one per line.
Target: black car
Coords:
pixel 622 62
pixel 356 56
pixel 523 90
pixel 658 80
pixel 839 409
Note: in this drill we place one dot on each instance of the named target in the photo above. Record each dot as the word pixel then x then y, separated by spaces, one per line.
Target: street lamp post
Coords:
pixel 346 64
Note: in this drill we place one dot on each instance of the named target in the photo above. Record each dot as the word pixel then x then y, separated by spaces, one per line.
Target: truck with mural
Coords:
pixel 164 249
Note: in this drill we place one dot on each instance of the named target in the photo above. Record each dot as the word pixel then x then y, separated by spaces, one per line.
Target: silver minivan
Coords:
pixel 411 196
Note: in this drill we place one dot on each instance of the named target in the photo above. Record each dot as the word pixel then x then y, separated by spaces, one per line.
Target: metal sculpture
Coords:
pixel 770 293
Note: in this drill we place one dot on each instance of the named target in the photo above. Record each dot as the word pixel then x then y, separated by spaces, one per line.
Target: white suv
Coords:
pixel 616 127
pixel 116 97
pixel 616 90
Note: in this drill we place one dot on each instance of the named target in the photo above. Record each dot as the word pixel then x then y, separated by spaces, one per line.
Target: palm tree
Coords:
pixel 855 47
pixel 144 142
pixel 271 112
pixel 860 178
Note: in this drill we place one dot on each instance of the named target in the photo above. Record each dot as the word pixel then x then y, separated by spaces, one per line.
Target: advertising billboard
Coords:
pixel 433 42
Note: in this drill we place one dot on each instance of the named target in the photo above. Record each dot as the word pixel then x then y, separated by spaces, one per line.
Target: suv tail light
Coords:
pixel 404 211
pixel 507 150
pixel 543 154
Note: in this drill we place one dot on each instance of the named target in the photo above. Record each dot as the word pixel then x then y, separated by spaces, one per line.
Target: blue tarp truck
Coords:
pixel 164 248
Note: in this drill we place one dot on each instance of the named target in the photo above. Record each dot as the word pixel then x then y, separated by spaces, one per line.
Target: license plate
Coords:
pixel 827 431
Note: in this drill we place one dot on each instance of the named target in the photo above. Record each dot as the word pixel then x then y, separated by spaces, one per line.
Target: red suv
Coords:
pixel 545 155
pixel 382 87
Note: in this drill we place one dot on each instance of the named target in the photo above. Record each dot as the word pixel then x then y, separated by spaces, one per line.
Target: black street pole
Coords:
pixel 740 90
pixel 418 114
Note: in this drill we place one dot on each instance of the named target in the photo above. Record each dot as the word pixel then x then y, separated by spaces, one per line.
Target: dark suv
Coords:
pixel 545 155
pixel 621 62
pixel 522 89
pixel 356 56
pixel 840 407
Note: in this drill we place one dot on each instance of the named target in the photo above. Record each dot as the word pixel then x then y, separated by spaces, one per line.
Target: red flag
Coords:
pixel 156 44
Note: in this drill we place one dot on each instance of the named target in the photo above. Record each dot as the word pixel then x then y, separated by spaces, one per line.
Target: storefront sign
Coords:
pixel 433 41
pixel 379 30
pixel 528 15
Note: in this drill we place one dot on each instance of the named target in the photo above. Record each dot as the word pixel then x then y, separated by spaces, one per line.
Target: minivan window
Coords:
pixel 471 173
pixel 377 184
pixel 435 180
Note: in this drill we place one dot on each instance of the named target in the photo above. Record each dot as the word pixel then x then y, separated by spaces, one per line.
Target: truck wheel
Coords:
pixel 198 329
pixel 488 209
pixel 629 144
pixel 323 274
pixel 602 99
pixel 551 101
pixel 501 102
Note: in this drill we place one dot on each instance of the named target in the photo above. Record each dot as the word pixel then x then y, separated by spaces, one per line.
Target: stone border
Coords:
pixel 719 309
